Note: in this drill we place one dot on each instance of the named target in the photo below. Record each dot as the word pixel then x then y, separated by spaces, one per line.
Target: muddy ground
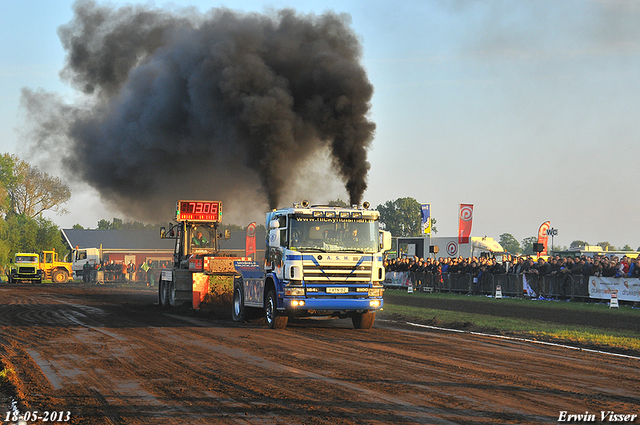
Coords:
pixel 108 355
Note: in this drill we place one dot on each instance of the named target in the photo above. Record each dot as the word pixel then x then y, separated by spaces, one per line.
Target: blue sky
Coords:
pixel 528 110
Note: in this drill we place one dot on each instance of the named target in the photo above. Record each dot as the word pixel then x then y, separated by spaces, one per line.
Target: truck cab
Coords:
pixel 25 267
pixel 319 261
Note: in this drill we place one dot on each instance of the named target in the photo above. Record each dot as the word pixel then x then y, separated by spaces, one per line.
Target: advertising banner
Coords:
pixel 426 218
pixel 602 287
pixel 398 279
pixel 250 244
pixel 543 237
pixel 527 290
pixel 464 223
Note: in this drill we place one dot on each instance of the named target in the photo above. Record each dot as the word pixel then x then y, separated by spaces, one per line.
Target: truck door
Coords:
pixel 278 239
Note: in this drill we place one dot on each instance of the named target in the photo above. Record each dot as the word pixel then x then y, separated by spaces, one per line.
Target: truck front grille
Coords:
pixel 331 272
pixel 26 270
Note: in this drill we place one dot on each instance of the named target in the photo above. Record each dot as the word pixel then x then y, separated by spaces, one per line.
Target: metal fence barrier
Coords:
pixel 559 286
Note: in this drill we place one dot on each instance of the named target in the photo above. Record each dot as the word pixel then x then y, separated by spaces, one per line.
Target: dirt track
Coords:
pixel 109 355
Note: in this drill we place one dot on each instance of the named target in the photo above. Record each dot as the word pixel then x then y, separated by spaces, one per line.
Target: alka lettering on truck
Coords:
pixel 321 261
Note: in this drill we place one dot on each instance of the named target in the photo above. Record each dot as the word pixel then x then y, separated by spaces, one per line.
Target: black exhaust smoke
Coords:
pixel 184 104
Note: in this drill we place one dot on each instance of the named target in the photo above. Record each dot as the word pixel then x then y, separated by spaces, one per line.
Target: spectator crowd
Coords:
pixel 115 271
pixel 585 265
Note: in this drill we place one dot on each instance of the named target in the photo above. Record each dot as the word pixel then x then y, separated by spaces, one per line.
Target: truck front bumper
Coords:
pixel 333 304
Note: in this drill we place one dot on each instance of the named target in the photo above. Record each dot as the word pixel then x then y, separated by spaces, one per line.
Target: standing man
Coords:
pixel 131 269
pixel 150 275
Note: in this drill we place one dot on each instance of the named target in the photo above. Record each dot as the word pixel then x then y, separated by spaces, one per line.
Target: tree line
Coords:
pixel 403 218
pixel 25 193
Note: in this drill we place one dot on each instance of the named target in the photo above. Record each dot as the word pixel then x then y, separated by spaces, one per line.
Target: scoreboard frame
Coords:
pixel 198 211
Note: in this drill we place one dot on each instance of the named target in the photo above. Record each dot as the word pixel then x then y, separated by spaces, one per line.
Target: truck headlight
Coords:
pixel 294 291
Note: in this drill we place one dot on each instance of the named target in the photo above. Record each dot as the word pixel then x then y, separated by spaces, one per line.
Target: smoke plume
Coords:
pixel 189 105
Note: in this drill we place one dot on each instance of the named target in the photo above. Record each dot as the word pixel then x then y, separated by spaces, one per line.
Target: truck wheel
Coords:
pixel 363 320
pixel 59 276
pixel 274 320
pixel 238 309
pixel 171 293
pixel 163 293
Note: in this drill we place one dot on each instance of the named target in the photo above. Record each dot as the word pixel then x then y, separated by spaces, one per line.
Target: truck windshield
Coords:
pixel 26 259
pixel 333 235
pixel 202 239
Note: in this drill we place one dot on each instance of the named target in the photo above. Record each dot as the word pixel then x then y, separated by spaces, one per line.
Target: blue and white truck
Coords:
pixel 319 261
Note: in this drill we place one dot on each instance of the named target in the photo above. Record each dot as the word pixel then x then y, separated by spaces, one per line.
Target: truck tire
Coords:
pixel 171 293
pixel 238 310
pixel 363 320
pixel 163 293
pixel 274 320
pixel 59 276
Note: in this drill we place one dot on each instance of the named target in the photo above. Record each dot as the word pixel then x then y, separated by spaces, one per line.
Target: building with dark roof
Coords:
pixel 135 240
pixel 123 246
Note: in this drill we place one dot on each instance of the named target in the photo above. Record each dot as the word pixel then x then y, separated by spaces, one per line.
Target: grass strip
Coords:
pixel 525 327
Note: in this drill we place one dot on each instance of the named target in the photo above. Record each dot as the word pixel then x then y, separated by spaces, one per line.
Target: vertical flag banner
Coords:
pixel 543 237
pixel 250 244
pixel 426 218
pixel 465 222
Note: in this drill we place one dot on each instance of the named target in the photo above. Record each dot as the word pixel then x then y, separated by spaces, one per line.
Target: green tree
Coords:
pixel 5 246
pixel 119 224
pixel 577 244
pixel 527 245
pixel 338 203
pixel 401 217
pixel 510 243
pixel 48 237
pixel 7 179
pixel 31 191
pixel 606 246
pixel 78 226
pixel 232 227
pixel 626 248
pixel 20 233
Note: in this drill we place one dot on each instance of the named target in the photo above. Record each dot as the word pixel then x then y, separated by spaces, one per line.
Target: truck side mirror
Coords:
pixel 274 224
pixel 163 232
pixel 385 240
pixel 273 238
pixel 227 234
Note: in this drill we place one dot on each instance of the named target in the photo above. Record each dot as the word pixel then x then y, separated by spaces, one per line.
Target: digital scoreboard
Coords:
pixel 198 211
